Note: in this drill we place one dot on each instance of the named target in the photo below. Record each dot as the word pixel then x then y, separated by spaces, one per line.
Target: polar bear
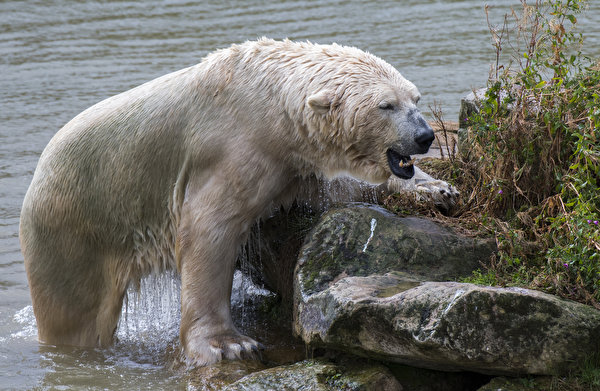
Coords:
pixel 172 174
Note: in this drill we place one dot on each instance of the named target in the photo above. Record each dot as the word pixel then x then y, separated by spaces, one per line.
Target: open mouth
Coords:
pixel 401 165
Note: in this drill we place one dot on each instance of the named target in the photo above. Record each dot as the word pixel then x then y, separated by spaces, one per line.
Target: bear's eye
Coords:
pixel 386 106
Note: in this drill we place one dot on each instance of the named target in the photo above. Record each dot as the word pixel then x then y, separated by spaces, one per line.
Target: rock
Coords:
pixel 221 374
pixel 463 141
pixel 362 240
pixel 367 295
pixel 271 252
pixel 319 375
pixel 450 326
pixel 469 106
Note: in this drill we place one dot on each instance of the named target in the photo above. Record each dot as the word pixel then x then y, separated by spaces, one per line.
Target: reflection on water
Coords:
pixel 58 57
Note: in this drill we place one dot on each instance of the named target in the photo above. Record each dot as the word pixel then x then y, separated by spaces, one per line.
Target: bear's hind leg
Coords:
pixel 109 311
pixel 75 301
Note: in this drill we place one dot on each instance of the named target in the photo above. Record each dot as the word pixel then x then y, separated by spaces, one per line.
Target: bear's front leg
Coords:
pixel 207 242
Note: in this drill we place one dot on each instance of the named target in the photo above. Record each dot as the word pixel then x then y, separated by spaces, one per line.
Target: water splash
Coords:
pixel 26 319
pixel 245 291
pixel 151 314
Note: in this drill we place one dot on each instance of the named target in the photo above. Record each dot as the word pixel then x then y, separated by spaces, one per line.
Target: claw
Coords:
pixel 234 351
pixel 229 346
pixel 441 193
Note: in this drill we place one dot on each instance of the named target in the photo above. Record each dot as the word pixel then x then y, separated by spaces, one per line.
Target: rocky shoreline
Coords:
pixel 410 317
pixel 377 306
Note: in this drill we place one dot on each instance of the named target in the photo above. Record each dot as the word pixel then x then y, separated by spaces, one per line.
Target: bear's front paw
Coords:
pixel 230 346
pixel 444 195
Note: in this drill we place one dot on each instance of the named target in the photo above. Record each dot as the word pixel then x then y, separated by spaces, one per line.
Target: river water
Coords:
pixel 58 57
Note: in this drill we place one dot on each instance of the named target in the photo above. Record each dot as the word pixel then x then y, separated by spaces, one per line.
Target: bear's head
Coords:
pixel 371 115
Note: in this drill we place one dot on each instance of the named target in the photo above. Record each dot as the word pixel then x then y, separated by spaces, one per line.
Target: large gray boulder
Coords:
pixel 364 239
pixel 361 302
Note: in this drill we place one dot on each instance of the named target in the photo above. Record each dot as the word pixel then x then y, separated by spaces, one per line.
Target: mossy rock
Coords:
pixel 319 375
pixel 363 240
pixel 450 326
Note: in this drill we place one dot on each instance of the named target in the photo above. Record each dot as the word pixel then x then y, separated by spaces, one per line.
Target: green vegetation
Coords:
pixel 536 155
pixel 530 174
pixel 529 170
pixel 586 378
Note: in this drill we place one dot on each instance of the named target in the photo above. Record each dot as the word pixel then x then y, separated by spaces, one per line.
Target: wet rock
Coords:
pixel 271 252
pixel 362 240
pixel 273 249
pixel 319 375
pixel 450 326
pixel 221 374
pixel 368 295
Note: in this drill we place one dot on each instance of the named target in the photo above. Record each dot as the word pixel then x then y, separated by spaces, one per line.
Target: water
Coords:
pixel 58 57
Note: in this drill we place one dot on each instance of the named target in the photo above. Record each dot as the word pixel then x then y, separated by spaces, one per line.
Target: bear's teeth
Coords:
pixel 408 163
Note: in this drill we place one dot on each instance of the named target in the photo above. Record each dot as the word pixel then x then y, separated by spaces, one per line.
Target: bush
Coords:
pixel 535 154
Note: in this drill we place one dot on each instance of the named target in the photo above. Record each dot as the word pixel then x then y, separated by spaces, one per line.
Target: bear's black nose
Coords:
pixel 424 138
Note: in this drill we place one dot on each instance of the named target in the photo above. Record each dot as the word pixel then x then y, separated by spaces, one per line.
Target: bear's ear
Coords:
pixel 320 102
